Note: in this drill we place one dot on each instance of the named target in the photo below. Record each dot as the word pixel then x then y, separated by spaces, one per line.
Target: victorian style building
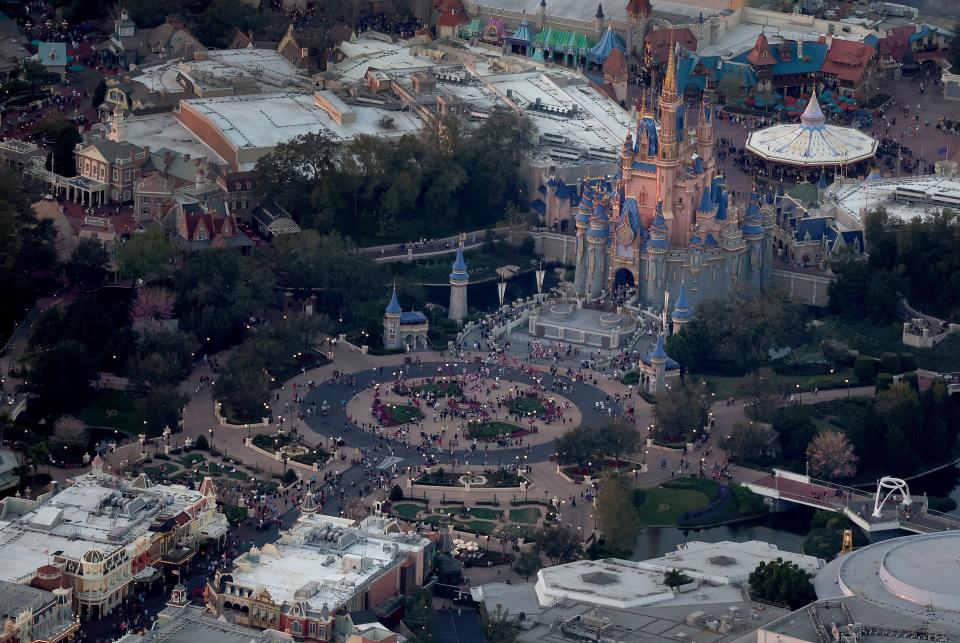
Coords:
pixel 665 218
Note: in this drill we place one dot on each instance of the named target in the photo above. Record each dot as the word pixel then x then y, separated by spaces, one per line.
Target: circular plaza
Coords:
pixel 455 411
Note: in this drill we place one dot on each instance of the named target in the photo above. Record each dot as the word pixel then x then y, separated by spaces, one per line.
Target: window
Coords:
pixel 86 167
pixel 103 172
pixel 295 627
pixel 116 175
pixel 313 628
pixel 126 175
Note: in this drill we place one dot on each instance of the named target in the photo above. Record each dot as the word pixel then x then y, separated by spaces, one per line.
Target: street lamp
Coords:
pixel 847 382
pixel 799 394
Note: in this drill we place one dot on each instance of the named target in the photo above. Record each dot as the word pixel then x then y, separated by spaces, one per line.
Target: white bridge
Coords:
pixel 890 507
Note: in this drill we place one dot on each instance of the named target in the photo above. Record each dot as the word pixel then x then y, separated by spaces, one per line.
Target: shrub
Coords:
pixel 890 363
pixel 912 380
pixel 864 368
pixel 884 380
pixel 908 362
pixel 396 493
pixel 941 504
pixel 632 377
pixel 202 443
pixel 289 477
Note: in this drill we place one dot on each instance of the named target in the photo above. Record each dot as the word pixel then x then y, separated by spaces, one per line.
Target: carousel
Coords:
pixel 812 143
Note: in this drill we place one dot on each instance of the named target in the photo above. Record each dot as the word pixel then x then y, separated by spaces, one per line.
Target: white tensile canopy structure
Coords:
pixel 811 142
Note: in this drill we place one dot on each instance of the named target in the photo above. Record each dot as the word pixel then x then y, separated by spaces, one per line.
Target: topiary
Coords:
pixel 884 381
pixel 396 493
pixel 890 363
pixel 201 443
pixel 908 362
pixel 864 368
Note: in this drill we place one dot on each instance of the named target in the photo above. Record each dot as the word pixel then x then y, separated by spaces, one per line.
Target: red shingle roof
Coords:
pixel 658 42
pixel 848 60
pixel 615 64
pixel 760 54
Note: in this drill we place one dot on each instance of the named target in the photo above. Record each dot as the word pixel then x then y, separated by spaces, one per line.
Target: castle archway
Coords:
pixel 623 277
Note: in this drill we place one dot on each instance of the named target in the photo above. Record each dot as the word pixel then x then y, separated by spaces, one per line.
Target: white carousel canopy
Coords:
pixel 812 142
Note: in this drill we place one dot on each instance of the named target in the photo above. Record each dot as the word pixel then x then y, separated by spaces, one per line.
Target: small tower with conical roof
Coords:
pixel 391 323
pixel 542 15
pixel 681 310
pixel 459 278
pixel 658 364
pixel 598 20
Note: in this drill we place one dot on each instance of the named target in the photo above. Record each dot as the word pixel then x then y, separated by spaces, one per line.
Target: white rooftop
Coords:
pixel 370 52
pixel 811 142
pixel 266 120
pixel 158 131
pixel 97 512
pixel 906 198
pixel 322 559
pixel 270 70
pixel 726 562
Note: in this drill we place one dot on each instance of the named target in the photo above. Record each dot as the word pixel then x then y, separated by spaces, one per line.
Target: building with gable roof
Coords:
pixel 852 67
pixel 665 218
pixel 130 45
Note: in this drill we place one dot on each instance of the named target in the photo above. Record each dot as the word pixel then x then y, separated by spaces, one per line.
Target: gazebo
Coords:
pixel 812 143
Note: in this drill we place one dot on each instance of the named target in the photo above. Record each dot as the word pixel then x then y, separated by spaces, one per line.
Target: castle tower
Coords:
pixel 582 222
pixel 542 14
pixel 668 159
pixel 705 140
pixel 598 239
pixel 598 20
pixel 458 286
pixel 658 363
pixel 638 17
pixel 681 310
pixel 391 322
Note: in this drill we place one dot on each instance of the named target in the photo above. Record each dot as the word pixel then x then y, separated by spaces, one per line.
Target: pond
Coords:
pixel 483 295
pixel 785 529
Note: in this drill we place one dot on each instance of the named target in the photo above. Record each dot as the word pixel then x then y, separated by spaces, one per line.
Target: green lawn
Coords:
pixel 475 526
pixel 520 531
pixel 663 506
pixel 526 515
pixel 404 413
pixel 407 510
pixel 492 429
pixel 154 473
pixel 115 410
pixel 191 459
pixel 478 512
pixel 526 405
pixel 724 386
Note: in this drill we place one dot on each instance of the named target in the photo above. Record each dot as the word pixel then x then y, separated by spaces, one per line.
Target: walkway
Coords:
pixel 857 505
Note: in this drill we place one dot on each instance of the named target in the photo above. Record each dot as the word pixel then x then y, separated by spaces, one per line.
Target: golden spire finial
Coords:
pixel 670 80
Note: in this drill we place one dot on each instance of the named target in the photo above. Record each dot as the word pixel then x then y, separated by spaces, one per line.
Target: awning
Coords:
pixel 146 575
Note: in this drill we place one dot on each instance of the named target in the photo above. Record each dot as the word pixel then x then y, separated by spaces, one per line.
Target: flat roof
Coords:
pixel 856 195
pixel 384 56
pixel 732 561
pixel 158 131
pixel 191 625
pixel 322 559
pixel 98 511
pixel 266 120
pixel 270 70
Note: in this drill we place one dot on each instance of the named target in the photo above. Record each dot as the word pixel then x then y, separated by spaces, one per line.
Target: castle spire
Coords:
pixel 670 80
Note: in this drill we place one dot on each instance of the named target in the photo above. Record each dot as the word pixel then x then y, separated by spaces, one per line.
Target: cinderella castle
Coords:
pixel 665 221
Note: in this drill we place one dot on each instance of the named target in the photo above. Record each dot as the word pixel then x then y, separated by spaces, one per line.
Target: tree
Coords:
pixel 219 22
pixel 617 518
pixel 419 612
pixel 201 443
pixel 585 444
pixel 61 374
pixel 396 493
pixel 558 543
pixel 675 578
pixel 764 389
pixel 750 439
pixel 62 136
pixel 154 305
pixel 162 407
pixel 148 255
pixel 686 347
pixel 500 627
pixel 527 564
pixel 831 456
pixel 782 582
pixel 99 93
pixel 218 291
pixel 87 267
pixel 71 431
pixel 679 411
pixel 732 87
pixel 33 72
pixel 796 430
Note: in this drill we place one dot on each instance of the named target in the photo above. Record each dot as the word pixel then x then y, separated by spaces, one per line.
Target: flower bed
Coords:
pixel 496 479
pixel 529 405
pixel 493 430
pixel 395 414
pixel 285 444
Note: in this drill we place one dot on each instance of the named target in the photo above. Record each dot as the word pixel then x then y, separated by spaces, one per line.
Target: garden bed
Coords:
pixel 501 478
pixel 494 429
pixel 396 414
pixel 525 515
pixel 529 405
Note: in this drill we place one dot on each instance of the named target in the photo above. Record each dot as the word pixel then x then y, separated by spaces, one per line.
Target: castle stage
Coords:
pixel 568 323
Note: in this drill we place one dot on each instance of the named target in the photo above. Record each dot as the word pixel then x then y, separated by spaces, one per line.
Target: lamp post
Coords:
pixel 799 394
pixel 847 382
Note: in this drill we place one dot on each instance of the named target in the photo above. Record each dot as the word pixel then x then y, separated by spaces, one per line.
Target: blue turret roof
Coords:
pixel 716 188
pixel 753 210
pixel 659 222
pixel 681 309
pixel 610 41
pixel 523 33
pixel 459 267
pixel 706 205
pixel 698 165
pixel 710 242
pixel 648 126
pixel 393 308
pixel 722 206
pixel 631 213
pixel 599 11
pixel 658 351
